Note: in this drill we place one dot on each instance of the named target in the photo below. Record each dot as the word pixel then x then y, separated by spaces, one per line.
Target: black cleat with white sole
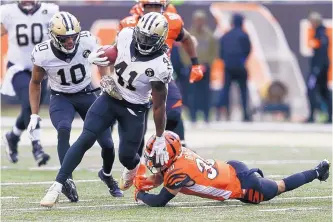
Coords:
pixel 11 141
pixel 69 190
pixel 112 184
pixel 40 156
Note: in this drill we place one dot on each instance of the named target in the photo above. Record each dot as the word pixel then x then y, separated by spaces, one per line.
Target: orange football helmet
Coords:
pixel 173 147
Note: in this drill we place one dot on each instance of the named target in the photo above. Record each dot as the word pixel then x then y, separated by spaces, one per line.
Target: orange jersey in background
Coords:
pixel 138 9
pixel 211 179
pixel 174 20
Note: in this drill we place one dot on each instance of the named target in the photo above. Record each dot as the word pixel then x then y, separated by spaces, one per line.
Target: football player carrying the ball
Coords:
pixel 142 69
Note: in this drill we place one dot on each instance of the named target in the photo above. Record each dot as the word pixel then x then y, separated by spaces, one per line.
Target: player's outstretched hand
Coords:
pixel 94 58
pixel 34 120
pixel 159 148
pixel 141 182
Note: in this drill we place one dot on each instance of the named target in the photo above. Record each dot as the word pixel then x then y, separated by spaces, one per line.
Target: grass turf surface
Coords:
pixel 20 202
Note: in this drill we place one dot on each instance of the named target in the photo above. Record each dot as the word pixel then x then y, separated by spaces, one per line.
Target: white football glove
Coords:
pixel 159 148
pixel 34 120
pixel 94 58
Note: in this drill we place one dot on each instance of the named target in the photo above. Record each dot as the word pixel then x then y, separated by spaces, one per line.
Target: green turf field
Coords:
pixel 24 184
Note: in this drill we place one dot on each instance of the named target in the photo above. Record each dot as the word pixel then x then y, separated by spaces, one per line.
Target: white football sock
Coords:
pixel 107 175
pixel 17 131
pixel 36 134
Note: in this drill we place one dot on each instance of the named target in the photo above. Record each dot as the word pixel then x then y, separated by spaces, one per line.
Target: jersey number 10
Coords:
pixel 72 70
pixel 23 40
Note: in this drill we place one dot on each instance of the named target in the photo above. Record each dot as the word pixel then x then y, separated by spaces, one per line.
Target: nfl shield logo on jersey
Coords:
pixel 86 53
pixel 149 72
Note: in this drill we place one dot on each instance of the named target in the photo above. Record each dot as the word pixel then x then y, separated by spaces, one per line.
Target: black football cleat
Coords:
pixel 10 141
pixel 323 170
pixel 40 156
pixel 111 183
pixel 69 190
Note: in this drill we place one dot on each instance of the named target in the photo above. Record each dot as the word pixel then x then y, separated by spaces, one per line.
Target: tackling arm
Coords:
pixel 38 74
pixel 159 94
pixel 159 200
pixel 188 42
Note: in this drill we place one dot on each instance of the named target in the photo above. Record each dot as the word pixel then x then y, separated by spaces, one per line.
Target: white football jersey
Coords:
pixel 134 72
pixel 25 31
pixel 68 73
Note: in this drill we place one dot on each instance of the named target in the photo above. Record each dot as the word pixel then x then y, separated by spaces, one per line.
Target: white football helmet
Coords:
pixel 64 30
pixel 150 33
pixel 28 5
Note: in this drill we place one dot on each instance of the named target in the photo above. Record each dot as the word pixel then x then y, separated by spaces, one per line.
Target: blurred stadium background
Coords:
pixel 280 34
pixel 279 31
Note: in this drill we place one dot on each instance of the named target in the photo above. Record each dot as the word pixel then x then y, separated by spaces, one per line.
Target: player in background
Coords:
pixel 25 22
pixel 178 33
pixel 142 68
pixel 64 60
pixel 188 173
pixel 137 9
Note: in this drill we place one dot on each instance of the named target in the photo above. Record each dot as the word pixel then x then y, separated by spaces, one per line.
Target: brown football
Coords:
pixel 110 52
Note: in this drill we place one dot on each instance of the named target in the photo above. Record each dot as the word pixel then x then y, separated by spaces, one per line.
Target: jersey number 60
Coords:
pixel 23 40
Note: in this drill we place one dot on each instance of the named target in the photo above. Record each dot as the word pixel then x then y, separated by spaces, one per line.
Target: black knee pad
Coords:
pixel 64 125
pixel 268 188
pixel 105 143
pixel 130 161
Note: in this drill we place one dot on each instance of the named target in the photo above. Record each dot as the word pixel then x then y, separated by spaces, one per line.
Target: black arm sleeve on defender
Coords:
pixel 180 35
pixel 159 200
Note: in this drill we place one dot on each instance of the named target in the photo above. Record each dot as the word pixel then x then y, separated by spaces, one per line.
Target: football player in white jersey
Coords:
pixel 25 22
pixel 142 69
pixel 64 60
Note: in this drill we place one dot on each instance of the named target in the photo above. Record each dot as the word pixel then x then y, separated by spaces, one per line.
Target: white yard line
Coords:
pixel 202 207
pixel 63 201
pixel 9 197
pixel 291 209
pixel 44 182
pixel 279 162
pixel 182 204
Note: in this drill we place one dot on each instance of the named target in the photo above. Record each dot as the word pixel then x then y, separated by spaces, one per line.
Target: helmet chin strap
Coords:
pixel 59 46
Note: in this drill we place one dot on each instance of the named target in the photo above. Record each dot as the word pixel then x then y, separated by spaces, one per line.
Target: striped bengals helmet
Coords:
pixel 174 149
pixel 64 30
pixel 150 33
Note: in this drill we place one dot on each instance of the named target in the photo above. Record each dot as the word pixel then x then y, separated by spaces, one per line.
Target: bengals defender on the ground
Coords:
pixel 188 173
pixel 177 32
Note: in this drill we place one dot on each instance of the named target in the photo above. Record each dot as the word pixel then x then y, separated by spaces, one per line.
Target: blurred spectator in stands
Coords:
pixel 319 63
pixel 274 101
pixel 198 94
pixel 235 48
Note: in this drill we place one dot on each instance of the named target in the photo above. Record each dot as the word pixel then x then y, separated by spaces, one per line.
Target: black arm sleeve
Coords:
pixel 153 200
pixel 180 35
